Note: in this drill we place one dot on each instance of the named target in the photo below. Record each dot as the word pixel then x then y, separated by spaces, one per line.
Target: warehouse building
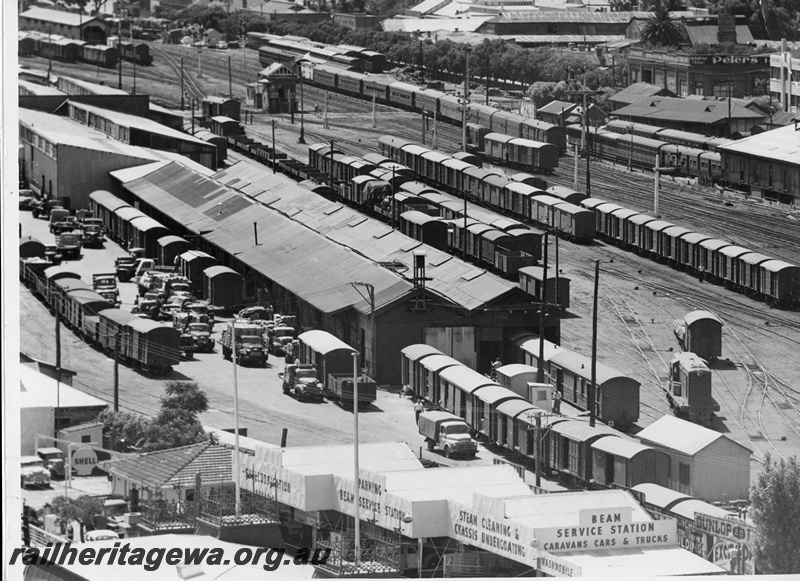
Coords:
pixel 69 24
pixel 766 165
pixel 143 132
pixel 561 22
pixel 716 75
pixel 784 83
pixel 329 265
pixel 705 464
pixel 722 118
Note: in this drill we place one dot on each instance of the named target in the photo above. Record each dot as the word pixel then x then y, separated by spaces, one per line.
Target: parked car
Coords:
pixel 101 535
pixel 27 199
pixel 33 472
pixel 222 45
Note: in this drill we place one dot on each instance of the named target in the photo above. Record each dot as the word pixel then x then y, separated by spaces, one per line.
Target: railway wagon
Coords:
pixel 780 281
pixel 651 235
pixel 138 52
pixel 112 330
pixel 525 153
pixel 521 379
pixel 617 395
pixel 749 271
pixel 431 162
pixel 709 258
pixel 517 198
pixel 688 389
pixel 353 192
pixel 427 229
pixel 26 45
pixel 729 264
pixel 429 376
pixel 411 373
pixel 452 173
pixel 62 49
pixel 511 429
pixel 145 232
pixel 532 281
pixel 59 289
pixel 700 332
pixel 537 130
pixel 152 346
pixel 531 180
pixel 668 246
pixel 571 448
pixel 327 353
pixel 458 385
pixel 689 250
pixel 493 189
pixel 374 62
pixel 623 462
pixel 566 194
pixel 120 229
pixel 468 157
pixel 80 303
pixel 45 286
pixel 486 420
pixel 96 54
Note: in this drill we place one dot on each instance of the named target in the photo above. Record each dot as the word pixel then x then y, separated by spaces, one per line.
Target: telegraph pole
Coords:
pixel 58 356
pixel 593 385
pixel 542 311
pixel 119 47
pixel 302 138
pixel 465 102
pixel 373 360
pixel 116 371
pixel 583 93
pixel 230 78
pixel 273 146
pixel 182 92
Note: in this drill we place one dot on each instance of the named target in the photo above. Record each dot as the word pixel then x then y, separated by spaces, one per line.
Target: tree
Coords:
pixel 776 513
pixel 543 93
pixel 661 29
pixel 82 509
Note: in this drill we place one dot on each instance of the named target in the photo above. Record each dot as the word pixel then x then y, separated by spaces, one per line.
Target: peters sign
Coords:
pixel 730 59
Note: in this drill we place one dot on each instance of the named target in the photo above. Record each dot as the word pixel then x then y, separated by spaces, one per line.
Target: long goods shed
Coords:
pixel 486 511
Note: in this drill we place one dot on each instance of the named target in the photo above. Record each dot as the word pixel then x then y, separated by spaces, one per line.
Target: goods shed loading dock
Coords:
pixel 461 309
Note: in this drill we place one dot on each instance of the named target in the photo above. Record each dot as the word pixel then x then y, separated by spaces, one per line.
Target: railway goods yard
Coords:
pixel 652 304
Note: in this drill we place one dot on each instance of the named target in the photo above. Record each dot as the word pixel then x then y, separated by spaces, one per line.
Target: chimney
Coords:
pixel 726 28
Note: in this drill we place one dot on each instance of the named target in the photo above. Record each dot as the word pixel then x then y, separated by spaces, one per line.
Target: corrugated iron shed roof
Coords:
pixel 434 24
pixel 136 122
pixel 688 507
pixel 562 510
pixel 708 33
pixel 40 390
pixel 680 435
pixel 782 144
pixel 175 467
pixel 57 16
pixel 658 495
pixel 559 16
pixel 637 92
pixel 464 284
pixel 641 562
pixel 561 39
pixel 687 110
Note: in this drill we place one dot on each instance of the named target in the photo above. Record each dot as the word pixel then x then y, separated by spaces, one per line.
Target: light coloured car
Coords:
pixel 33 472
pixel 222 45
pixel 101 535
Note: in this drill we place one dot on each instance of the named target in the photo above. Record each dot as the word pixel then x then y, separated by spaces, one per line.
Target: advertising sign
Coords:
pixel 732 530
pixel 609 528
pixel 556 567
pixel 722 60
pixel 84 460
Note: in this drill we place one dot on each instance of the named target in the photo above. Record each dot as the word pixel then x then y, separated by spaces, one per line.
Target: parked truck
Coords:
pixel 340 388
pixel 125 266
pixel 92 232
pixel 251 345
pixel 69 244
pixel 301 381
pixel 105 284
pixel 53 460
pixel 449 432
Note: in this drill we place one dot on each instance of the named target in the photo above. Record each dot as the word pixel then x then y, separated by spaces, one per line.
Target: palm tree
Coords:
pixel 661 28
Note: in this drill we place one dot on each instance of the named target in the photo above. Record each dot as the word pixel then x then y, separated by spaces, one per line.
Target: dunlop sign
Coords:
pixel 723 528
